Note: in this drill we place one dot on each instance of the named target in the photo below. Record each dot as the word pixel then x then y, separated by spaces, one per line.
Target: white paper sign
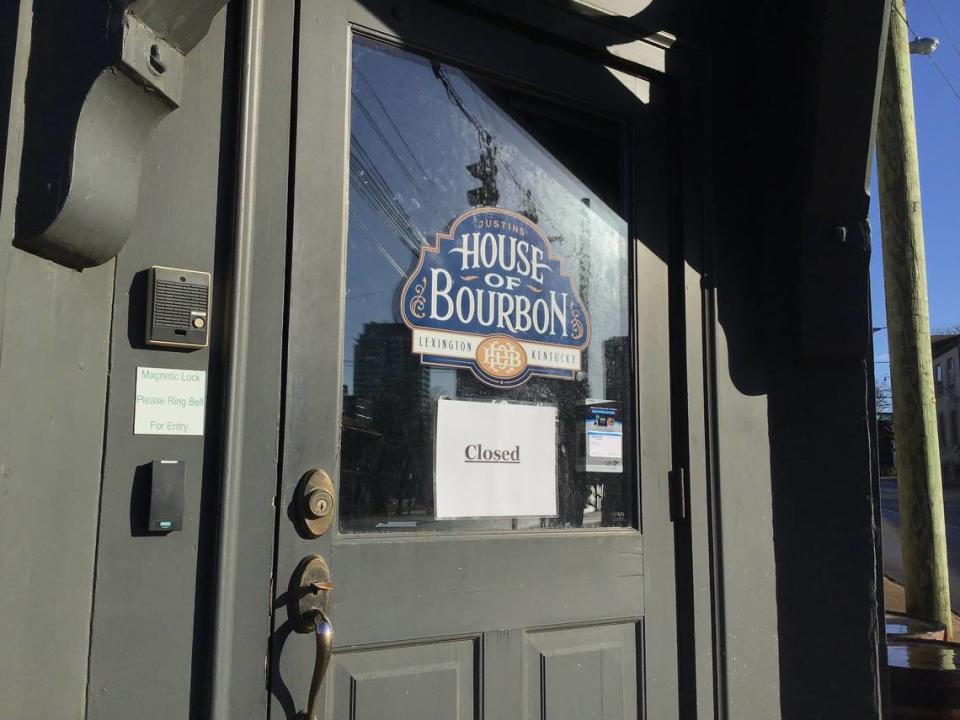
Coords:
pixel 495 460
pixel 169 401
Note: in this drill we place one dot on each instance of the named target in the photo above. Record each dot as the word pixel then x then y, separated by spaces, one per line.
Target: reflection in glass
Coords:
pixel 427 143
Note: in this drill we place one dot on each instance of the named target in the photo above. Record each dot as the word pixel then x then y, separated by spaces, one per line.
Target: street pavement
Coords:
pixel 890 519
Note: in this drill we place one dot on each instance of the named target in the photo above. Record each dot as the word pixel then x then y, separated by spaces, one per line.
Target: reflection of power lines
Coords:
pixel 956 48
pixel 486 139
pixel 486 169
pixel 414 180
pixel 369 183
pixel 358 103
pixel 372 187
pixel 389 118
pixel 360 296
pixel 355 220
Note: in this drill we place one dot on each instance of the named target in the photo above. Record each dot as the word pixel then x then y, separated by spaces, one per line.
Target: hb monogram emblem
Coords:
pixel 502 357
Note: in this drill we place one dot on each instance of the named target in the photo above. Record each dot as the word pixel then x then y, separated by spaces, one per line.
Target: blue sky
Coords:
pixel 938 139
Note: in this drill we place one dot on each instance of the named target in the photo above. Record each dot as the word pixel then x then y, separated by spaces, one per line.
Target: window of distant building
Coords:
pixel 950 378
pixel 953 428
pixel 938 375
pixel 940 429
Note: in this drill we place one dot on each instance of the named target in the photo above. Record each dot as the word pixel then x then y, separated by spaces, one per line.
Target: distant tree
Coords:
pixel 883 396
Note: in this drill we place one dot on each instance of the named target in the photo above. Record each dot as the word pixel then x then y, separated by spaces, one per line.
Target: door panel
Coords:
pixel 437 680
pixel 464 585
pixel 582 673
pixel 479 617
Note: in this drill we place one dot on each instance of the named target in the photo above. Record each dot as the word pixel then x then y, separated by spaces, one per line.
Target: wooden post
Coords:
pixel 922 531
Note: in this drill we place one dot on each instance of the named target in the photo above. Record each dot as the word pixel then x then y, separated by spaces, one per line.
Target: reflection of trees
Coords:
pixel 361 447
pixel 385 468
pixel 403 473
pixel 387 439
pixel 616 371
pixel 883 396
pixel 385 451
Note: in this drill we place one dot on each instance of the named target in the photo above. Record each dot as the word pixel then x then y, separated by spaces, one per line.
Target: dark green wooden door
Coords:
pixel 409 119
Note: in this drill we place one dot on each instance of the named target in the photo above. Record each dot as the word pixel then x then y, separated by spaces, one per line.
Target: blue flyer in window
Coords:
pixel 603 437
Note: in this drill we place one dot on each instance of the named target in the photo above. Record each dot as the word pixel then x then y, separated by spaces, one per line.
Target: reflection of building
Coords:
pixel 946 359
pixel 383 362
pixel 356 411
pixel 385 456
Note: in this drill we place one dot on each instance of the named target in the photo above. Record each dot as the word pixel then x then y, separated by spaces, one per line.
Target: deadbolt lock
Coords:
pixel 319 503
pixel 315 503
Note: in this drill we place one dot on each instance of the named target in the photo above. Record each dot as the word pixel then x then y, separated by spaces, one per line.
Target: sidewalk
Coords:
pixel 893 599
pixel 890 529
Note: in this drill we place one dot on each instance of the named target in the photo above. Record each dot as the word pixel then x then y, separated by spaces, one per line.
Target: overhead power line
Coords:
pixel 946 29
pixel 946 79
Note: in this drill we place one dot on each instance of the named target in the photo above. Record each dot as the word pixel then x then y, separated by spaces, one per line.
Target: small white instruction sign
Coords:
pixel 495 460
pixel 169 401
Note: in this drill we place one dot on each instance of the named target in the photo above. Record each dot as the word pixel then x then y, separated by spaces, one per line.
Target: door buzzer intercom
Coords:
pixel 178 307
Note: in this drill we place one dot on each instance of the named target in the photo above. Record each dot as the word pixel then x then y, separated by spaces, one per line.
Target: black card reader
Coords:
pixel 166 495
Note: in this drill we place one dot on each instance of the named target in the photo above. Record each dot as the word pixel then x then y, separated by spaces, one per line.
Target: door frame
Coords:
pixel 273 118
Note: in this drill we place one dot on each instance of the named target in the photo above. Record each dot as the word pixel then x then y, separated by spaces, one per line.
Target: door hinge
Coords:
pixel 679 497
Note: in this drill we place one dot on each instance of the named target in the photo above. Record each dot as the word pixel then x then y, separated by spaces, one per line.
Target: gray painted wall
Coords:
pixel 53 376
pixel 150 626
pixel 57 354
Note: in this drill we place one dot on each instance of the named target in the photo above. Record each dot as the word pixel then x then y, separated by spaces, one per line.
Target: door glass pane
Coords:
pixel 428 143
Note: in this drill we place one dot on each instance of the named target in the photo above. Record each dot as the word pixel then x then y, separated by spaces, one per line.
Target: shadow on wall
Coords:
pixel 793 133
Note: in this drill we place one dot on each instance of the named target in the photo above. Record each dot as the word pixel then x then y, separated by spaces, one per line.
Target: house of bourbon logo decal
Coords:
pixel 490 296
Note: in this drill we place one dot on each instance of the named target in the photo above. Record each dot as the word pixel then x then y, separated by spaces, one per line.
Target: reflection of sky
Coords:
pixel 410 146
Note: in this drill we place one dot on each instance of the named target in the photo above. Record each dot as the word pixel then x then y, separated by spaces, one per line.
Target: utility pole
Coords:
pixel 922 531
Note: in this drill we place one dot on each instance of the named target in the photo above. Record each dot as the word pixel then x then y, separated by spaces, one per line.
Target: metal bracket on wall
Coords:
pixel 92 100
pixel 152 61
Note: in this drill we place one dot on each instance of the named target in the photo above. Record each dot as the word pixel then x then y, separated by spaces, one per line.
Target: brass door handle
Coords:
pixel 323 631
pixel 309 594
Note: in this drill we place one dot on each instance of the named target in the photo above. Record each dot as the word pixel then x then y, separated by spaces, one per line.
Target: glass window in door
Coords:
pixel 487 277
